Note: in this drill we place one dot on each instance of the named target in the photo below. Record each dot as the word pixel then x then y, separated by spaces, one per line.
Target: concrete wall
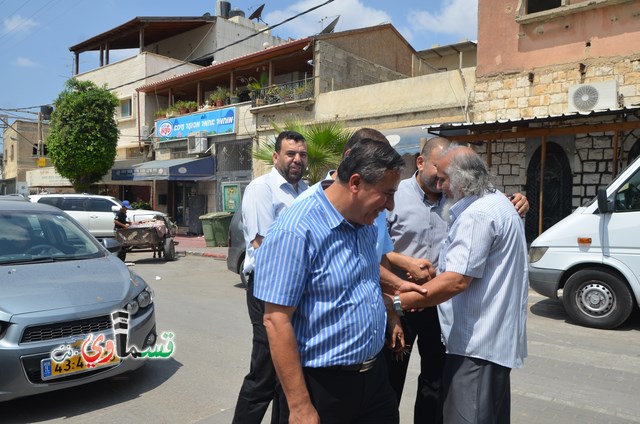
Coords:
pixel 510 41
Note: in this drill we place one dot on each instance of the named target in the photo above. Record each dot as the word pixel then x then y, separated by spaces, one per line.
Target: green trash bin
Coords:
pixel 221 222
pixel 207 229
pixel 215 226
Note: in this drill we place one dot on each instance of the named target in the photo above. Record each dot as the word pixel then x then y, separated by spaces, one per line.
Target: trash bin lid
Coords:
pixel 215 215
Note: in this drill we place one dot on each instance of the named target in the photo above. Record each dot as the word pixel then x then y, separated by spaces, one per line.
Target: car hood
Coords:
pixel 36 287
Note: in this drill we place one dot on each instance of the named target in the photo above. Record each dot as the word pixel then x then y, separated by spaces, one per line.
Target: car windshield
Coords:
pixel 29 236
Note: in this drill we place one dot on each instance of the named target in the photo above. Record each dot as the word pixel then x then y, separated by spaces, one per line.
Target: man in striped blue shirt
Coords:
pixel 481 291
pixel 318 273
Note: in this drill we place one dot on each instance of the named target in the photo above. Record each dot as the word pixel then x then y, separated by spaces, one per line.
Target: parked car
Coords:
pixel 593 255
pixel 236 251
pixel 92 211
pixel 58 285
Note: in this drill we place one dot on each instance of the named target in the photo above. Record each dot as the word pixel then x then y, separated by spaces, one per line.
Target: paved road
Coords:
pixel 573 374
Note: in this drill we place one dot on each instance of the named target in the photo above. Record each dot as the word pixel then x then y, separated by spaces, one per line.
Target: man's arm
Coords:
pixel 286 360
pixel 391 283
pixel 440 289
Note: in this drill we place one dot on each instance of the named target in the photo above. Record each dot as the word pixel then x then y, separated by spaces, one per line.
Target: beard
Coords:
pixel 293 175
pixel 446 208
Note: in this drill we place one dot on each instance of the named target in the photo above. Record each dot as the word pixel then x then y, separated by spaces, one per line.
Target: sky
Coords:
pixel 35 35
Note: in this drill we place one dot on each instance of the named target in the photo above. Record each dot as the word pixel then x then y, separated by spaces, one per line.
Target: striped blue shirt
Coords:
pixel 486 241
pixel 327 268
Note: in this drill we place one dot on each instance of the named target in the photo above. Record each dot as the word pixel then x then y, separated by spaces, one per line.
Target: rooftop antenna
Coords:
pixel 257 14
pixel 329 28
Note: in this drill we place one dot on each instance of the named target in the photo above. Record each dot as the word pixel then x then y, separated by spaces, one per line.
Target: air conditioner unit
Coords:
pixel 197 143
pixel 585 98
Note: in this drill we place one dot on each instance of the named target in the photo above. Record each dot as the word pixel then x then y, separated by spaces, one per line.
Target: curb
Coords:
pixel 221 256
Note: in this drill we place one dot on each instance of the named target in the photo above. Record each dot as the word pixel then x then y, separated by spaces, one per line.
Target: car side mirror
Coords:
pixel 115 209
pixel 111 244
pixel 604 206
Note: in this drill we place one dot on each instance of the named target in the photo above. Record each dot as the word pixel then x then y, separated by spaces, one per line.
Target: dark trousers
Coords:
pixel 476 391
pixel 350 397
pixel 422 328
pixel 259 386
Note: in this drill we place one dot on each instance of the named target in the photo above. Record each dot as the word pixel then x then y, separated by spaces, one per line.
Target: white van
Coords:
pixel 593 255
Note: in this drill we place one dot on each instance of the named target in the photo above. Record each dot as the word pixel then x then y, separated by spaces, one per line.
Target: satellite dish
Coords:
pixel 257 14
pixel 329 29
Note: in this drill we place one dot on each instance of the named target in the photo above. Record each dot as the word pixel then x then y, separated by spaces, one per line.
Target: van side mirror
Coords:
pixel 603 203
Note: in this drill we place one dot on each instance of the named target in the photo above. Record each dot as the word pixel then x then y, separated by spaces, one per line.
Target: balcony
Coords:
pixel 283 93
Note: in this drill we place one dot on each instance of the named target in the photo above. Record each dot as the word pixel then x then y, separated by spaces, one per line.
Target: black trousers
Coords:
pixel 422 328
pixel 259 385
pixel 352 397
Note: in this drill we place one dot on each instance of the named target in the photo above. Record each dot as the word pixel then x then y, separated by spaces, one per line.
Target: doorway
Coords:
pixel 558 184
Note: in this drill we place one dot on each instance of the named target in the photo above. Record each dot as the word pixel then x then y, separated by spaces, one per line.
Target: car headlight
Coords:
pixel 142 300
pixel 536 253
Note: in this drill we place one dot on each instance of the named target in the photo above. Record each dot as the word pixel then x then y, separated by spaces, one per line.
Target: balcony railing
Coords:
pixel 281 93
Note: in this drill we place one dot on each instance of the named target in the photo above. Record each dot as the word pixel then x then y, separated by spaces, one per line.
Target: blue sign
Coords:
pixel 213 122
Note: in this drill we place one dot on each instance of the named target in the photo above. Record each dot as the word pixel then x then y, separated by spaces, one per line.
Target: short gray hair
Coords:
pixel 468 173
pixel 370 159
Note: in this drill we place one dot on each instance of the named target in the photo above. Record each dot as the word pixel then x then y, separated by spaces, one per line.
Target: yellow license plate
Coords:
pixel 75 364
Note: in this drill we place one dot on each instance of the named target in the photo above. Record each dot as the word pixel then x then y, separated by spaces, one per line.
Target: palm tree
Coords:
pixel 325 141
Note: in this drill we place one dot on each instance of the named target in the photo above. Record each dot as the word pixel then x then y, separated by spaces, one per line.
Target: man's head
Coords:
pixel 461 173
pixel 426 163
pixel 290 156
pixel 361 134
pixel 371 171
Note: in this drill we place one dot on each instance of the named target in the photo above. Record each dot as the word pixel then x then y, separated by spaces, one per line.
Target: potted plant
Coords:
pixel 300 92
pixel 181 106
pixel 192 106
pixel 219 95
pixel 235 96
pixel 172 111
pixel 160 114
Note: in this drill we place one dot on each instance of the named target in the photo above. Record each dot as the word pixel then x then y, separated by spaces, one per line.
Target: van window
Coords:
pixel 627 198
pixel 53 201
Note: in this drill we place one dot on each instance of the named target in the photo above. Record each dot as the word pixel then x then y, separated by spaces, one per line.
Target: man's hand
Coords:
pixel 521 203
pixel 304 414
pixel 396 333
pixel 420 270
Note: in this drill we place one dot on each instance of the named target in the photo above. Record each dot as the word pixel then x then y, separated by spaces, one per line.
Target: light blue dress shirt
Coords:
pixel 486 241
pixel 384 244
pixel 265 198
pixel 327 268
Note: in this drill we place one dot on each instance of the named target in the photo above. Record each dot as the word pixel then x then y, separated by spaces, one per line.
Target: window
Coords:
pixel 628 196
pixel 125 108
pixel 101 205
pixel 534 6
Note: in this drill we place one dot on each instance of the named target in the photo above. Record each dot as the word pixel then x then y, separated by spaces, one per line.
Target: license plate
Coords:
pixel 73 365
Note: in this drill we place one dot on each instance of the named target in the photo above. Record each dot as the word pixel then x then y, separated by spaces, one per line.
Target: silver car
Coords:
pixel 61 288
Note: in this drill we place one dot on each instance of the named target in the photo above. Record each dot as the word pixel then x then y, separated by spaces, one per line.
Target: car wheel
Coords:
pixel 169 249
pixel 597 298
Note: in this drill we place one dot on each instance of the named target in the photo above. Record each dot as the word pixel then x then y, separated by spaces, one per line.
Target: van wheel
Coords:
pixel 597 298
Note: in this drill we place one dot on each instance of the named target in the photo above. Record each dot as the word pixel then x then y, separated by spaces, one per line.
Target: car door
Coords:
pixel 101 217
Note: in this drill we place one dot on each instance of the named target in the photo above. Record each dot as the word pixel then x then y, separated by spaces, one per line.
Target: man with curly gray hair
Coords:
pixel 481 292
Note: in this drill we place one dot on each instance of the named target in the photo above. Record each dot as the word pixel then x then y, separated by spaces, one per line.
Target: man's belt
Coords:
pixel 363 367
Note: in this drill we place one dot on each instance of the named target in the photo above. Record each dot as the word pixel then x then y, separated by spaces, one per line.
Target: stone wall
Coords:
pixel 507 164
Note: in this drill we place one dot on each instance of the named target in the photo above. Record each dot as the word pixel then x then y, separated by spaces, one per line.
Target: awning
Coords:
pixel 188 169
pixel 407 140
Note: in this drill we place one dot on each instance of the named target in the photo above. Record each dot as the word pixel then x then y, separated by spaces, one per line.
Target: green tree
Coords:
pixel 83 133
pixel 325 141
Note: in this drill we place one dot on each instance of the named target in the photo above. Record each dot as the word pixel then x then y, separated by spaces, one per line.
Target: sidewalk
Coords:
pixel 196 245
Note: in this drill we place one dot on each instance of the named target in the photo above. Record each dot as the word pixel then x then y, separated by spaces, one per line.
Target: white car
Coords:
pixel 94 212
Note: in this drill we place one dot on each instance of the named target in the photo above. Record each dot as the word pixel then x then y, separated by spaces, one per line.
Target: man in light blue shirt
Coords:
pixel 265 198
pixel 324 311
pixel 481 290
